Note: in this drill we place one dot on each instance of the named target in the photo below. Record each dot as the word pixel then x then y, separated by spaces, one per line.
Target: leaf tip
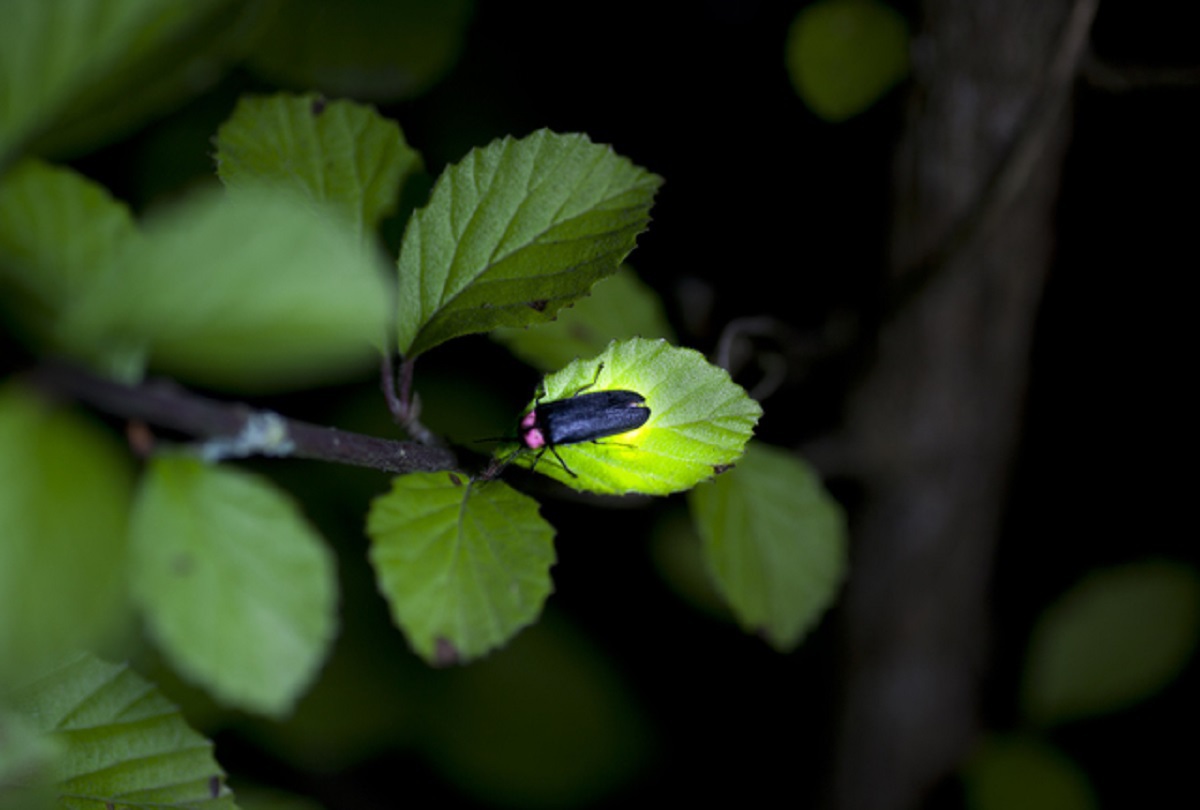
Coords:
pixel 445 654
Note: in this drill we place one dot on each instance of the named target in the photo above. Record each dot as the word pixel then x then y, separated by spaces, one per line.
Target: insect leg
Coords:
pixel 560 461
pixel 595 379
pixel 613 444
pixel 536 458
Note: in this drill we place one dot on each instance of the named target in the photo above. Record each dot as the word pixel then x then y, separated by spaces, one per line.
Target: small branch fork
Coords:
pixel 236 430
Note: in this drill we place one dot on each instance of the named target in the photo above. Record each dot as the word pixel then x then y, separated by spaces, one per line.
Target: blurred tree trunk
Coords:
pixel 935 424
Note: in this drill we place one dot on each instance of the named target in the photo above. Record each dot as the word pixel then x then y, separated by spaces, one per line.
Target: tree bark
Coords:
pixel 934 426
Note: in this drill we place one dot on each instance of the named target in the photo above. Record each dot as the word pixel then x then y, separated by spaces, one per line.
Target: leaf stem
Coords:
pixel 405 408
pixel 237 427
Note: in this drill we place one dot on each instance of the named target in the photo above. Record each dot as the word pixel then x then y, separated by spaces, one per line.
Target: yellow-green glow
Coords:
pixel 699 420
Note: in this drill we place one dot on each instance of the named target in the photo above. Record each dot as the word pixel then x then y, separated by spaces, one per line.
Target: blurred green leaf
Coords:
pixel 1012 772
pixel 619 307
pixel 64 510
pixel 775 542
pixel 250 290
pixel 57 228
pixel 464 566
pixel 336 153
pixel 364 705
pixel 27 762
pixel 843 55
pixel 160 83
pixel 63 63
pixel 700 420
pixel 515 231
pixel 547 722
pixel 237 588
pixel 1114 639
pixel 380 50
pixel 122 743
pixel 678 556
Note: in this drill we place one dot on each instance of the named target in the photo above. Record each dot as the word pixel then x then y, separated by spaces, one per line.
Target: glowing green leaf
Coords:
pixel 514 232
pixel 700 421
pixel 238 589
pixel 775 543
pixel 464 566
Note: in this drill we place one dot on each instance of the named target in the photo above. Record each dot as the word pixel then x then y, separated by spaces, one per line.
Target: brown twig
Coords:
pixel 235 429
pixel 405 408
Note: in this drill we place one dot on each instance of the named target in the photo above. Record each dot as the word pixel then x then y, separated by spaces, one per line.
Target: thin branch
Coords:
pixel 387 382
pixel 405 408
pixel 234 429
pixel 791 352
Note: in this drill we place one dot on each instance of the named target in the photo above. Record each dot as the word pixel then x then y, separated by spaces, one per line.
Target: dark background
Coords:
pixel 771 211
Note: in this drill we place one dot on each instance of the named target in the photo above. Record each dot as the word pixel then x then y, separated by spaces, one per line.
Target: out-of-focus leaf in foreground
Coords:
pixel 237 588
pixel 119 742
pixel 64 507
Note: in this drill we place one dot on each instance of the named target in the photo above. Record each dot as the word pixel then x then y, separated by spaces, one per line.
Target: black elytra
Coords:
pixel 581 418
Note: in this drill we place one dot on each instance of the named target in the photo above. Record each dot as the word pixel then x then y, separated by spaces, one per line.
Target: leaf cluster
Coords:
pixel 277 281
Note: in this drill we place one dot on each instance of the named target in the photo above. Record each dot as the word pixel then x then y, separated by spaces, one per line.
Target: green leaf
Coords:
pixel 337 153
pixel 1114 639
pixel 380 50
pixel 238 589
pixel 619 307
pixel 678 556
pixel 253 291
pixel 27 758
pixel 121 743
pixel 843 55
pixel 64 511
pixel 464 566
pixel 177 64
pixel 62 59
pixel 775 543
pixel 1010 772
pixel 514 232
pixel 700 421
pixel 56 229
